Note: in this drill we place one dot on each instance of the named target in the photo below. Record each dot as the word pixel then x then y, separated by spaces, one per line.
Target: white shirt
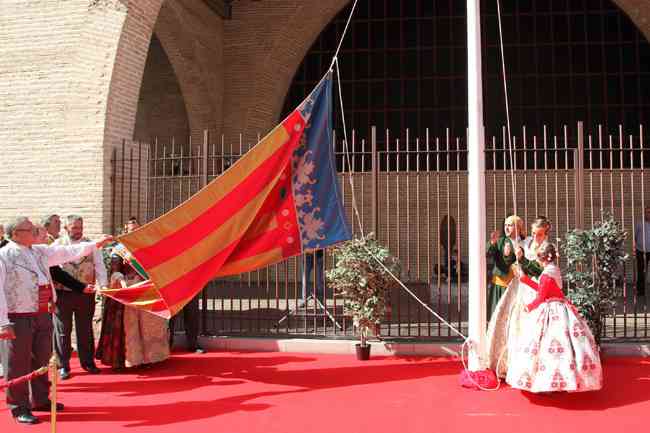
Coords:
pixel 50 255
pixel 4 319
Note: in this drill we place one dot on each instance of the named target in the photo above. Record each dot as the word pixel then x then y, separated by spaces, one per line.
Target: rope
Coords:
pixel 512 176
pixel 466 343
pixel 460 334
pixel 22 379
pixel 345 30
pixel 335 63
pixel 505 93
pixel 345 148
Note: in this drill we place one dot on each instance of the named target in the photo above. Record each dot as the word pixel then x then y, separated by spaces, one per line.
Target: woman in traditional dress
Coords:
pixel 556 351
pixel 528 264
pixel 146 336
pixel 527 256
pixel 503 298
pixel 130 336
pixel 110 349
pixel 502 252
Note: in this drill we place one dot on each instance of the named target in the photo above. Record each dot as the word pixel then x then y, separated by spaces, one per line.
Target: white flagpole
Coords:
pixel 476 191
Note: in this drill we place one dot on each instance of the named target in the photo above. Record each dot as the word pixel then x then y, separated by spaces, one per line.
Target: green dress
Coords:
pixel 502 272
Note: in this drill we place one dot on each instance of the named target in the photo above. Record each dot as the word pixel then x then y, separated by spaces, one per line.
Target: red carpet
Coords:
pixel 306 393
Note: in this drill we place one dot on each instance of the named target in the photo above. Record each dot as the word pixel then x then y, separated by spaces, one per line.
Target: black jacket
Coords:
pixel 62 277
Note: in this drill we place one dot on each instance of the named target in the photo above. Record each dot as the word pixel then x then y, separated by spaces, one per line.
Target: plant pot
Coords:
pixel 363 352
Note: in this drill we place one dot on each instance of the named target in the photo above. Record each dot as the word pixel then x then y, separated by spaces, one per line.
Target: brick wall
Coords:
pixel 161 108
pixel 265 43
pixel 57 63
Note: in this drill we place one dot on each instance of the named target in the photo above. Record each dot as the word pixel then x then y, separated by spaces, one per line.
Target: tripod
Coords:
pixel 312 261
pixel 304 303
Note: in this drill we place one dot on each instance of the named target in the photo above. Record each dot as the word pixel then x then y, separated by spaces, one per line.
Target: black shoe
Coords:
pixel 196 349
pixel 92 369
pixel 26 418
pixel 64 373
pixel 46 407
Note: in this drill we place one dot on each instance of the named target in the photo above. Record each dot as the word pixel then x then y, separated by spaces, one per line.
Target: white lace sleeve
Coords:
pixel 4 312
pixel 60 254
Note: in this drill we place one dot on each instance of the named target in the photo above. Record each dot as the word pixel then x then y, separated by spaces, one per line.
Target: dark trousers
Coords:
pixel 29 351
pixel 191 321
pixel 82 305
pixel 641 262
pixel 308 286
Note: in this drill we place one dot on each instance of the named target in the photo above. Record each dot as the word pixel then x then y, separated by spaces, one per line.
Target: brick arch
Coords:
pixel 639 13
pixel 110 59
pixel 265 44
pixel 191 35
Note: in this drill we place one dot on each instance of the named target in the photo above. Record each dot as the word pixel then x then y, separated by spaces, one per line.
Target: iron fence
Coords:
pixel 412 193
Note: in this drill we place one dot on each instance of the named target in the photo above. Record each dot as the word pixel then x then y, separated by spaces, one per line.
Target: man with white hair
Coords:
pixel 25 323
pixel 69 303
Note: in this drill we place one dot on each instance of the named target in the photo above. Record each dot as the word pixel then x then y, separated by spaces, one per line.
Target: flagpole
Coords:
pixel 476 191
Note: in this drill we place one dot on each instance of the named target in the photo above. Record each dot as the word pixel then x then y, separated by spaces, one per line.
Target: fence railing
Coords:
pixel 413 194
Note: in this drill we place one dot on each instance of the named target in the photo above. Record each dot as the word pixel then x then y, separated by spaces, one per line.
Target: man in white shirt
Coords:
pixel 25 323
pixel 642 248
pixel 81 305
pixel 52 224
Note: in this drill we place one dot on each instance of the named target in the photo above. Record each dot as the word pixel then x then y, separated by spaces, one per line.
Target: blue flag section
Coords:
pixel 319 204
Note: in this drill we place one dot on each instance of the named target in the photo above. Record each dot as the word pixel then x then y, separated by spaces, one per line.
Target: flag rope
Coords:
pixel 355 209
pixel 345 147
pixel 466 343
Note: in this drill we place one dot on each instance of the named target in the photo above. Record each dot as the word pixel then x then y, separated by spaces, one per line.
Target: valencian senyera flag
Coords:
pixel 277 201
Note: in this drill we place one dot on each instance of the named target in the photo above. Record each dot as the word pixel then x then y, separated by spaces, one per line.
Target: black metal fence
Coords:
pixel 413 194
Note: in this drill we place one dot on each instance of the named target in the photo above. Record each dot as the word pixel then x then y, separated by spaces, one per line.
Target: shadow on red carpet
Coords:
pixel 180 375
pixel 278 392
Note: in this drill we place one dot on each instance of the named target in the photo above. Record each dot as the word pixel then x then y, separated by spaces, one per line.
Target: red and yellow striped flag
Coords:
pixel 280 199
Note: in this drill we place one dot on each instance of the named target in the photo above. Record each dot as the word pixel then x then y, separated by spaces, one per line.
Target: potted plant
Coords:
pixel 594 269
pixel 361 275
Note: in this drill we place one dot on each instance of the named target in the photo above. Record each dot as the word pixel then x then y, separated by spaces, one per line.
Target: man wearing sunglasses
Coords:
pixel 25 322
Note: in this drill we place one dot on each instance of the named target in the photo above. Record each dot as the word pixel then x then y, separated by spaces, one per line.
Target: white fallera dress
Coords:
pixel 556 350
